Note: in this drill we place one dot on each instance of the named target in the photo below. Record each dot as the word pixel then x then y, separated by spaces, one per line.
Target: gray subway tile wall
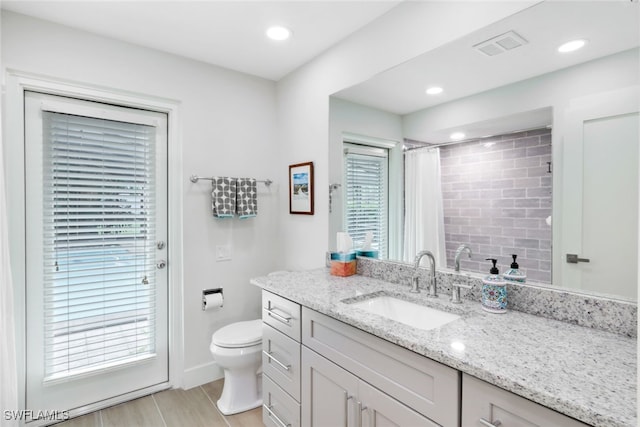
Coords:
pixel 497 198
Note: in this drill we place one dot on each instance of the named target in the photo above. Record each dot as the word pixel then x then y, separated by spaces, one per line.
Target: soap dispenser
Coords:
pixel 494 291
pixel 514 275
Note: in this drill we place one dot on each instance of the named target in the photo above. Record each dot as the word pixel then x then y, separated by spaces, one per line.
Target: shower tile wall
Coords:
pixel 497 196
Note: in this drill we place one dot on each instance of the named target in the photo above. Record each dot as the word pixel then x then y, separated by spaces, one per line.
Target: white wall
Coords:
pixel 227 128
pixel 408 30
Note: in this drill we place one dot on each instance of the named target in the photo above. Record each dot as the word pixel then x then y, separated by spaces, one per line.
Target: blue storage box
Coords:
pixel 343 256
pixel 368 254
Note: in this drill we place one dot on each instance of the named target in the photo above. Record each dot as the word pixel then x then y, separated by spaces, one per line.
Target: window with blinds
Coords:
pixel 99 263
pixel 366 195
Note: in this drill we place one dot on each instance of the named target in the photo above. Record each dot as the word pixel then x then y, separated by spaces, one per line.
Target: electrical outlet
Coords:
pixel 223 253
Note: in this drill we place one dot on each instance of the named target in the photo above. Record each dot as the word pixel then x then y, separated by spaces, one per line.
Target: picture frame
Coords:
pixel 301 188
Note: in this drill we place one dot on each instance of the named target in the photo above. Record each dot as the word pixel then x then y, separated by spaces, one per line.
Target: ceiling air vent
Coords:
pixel 499 44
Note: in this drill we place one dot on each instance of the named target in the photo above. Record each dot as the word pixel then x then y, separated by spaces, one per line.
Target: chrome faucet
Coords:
pixel 414 280
pixel 459 251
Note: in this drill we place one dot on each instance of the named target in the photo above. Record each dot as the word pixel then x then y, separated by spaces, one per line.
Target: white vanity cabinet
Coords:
pixel 280 361
pixel 397 386
pixel 320 372
pixel 485 405
pixel 334 397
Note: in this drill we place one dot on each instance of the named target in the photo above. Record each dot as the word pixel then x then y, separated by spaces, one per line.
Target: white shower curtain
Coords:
pixel 8 372
pixel 424 215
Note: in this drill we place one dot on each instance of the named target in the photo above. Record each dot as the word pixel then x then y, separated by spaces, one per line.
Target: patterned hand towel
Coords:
pixel 223 197
pixel 247 198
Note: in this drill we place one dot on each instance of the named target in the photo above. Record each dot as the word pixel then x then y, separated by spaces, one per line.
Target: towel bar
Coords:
pixel 195 178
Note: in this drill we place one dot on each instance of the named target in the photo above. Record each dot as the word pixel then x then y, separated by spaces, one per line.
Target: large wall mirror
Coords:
pixel 525 150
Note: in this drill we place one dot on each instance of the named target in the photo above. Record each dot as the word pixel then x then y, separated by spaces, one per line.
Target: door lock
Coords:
pixel 160 244
pixel 573 259
pixel 161 264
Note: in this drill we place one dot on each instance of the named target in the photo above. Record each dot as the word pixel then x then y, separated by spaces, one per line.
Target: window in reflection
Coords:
pixel 366 195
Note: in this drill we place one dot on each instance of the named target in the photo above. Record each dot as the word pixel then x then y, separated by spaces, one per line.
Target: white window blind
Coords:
pixel 366 195
pixel 99 264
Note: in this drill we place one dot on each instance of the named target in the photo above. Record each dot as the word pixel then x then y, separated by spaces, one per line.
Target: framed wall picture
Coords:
pixel 301 188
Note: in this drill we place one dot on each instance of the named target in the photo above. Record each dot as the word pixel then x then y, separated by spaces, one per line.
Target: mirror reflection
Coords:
pixel 549 146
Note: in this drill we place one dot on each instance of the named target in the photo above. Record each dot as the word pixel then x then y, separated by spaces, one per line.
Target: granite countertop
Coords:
pixel 584 373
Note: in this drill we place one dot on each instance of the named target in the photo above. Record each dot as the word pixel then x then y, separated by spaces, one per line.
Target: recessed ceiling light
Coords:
pixel 434 90
pixel 457 136
pixel 278 33
pixel 572 46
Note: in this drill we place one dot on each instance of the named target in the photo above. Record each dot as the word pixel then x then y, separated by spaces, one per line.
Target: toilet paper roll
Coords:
pixel 213 301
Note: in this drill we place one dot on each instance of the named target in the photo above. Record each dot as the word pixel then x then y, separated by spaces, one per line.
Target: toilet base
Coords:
pixel 240 393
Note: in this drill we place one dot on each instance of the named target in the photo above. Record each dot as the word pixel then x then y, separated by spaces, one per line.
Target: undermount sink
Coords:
pixel 411 314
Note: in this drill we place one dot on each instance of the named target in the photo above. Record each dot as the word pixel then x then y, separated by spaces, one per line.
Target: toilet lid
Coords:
pixel 240 334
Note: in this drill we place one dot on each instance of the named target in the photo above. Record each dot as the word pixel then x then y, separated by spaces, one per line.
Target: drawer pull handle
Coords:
pixel 486 423
pixel 346 408
pixel 282 365
pixel 361 409
pixel 275 417
pixel 278 317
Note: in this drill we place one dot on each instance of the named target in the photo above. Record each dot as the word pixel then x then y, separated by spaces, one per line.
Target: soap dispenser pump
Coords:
pixel 494 290
pixel 514 275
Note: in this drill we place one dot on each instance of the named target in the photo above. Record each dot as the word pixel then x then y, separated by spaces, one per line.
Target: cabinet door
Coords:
pixel 381 410
pixel 328 392
pixel 484 404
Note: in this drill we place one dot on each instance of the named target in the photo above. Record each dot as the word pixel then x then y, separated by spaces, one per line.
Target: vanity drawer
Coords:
pixel 281 360
pixel 422 384
pixel 278 408
pixel 282 314
pixel 484 404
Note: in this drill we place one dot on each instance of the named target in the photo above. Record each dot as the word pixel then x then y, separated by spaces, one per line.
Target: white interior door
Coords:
pixel 600 194
pixel 96 183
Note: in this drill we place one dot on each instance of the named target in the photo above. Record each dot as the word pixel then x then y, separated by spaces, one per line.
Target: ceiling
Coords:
pixel 230 34
pixel 610 26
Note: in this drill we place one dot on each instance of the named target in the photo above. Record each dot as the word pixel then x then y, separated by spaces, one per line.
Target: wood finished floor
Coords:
pixel 180 408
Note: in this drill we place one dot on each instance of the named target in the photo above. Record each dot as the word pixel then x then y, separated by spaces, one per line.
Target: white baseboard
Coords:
pixel 201 374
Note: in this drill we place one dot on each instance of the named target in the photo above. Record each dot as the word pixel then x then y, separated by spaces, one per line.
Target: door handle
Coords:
pixel 360 410
pixel 347 398
pixel 573 259
pixel 486 423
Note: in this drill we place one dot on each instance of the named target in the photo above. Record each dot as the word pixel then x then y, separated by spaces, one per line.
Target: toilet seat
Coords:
pixel 240 334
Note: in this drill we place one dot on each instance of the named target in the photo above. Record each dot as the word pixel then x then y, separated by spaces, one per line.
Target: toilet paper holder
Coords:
pixel 206 292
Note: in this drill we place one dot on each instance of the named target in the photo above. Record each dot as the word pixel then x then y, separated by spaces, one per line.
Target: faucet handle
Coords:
pixel 455 295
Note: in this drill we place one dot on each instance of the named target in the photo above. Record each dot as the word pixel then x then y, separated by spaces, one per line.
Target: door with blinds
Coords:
pixel 366 183
pixel 96 182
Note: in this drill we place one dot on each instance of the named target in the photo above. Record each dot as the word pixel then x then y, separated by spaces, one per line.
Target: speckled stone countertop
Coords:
pixel 584 373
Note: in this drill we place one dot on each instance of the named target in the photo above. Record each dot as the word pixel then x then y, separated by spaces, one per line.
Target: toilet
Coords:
pixel 237 348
